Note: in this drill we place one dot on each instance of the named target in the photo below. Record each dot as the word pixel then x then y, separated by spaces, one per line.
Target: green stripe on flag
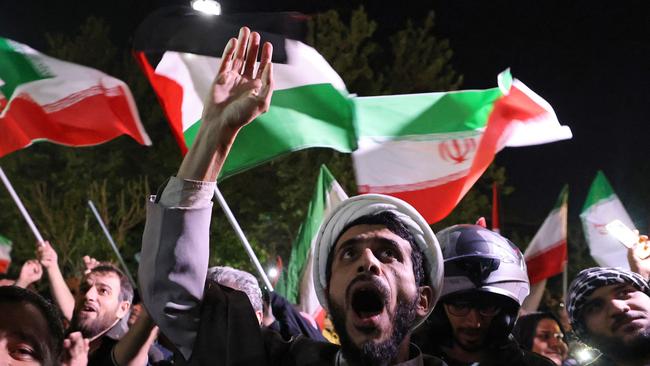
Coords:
pixel 600 189
pixel 4 241
pixel 289 284
pixel 308 116
pixel 423 114
pixel 16 68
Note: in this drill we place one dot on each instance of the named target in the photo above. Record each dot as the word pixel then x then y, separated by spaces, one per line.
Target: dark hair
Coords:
pixel 126 289
pixel 392 223
pixel 53 345
pixel 526 328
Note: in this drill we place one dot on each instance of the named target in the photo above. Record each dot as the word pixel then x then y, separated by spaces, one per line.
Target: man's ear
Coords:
pixel 425 301
pixel 123 309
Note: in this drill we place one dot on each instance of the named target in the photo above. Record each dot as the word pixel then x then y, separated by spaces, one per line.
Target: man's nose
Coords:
pixel 473 318
pixel 368 262
pixel 617 306
pixel 91 293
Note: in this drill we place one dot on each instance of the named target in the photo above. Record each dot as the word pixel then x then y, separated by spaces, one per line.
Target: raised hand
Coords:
pixel 75 350
pixel 90 263
pixel 47 255
pixel 239 94
pixel 29 273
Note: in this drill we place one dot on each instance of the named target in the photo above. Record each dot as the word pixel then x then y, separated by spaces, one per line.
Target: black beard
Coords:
pixel 615 348
pixel 372 353
pixel 90 328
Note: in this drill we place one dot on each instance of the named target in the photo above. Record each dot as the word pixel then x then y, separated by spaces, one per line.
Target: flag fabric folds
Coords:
pixel 42 98
pixel 602 207
pixel 546 255
pixel 296 283
pixel 428 149
pixel 5 254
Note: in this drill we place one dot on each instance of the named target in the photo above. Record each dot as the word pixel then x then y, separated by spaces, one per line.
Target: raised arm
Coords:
pixel 60 291
pixel 175 244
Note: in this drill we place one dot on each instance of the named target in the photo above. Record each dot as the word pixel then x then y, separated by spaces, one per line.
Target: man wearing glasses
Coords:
pixel 484 285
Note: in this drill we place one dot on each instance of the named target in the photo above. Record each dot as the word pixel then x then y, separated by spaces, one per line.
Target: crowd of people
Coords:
pixel 396 293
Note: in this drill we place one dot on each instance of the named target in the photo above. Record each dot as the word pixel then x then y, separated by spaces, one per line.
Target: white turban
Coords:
pixel 371 204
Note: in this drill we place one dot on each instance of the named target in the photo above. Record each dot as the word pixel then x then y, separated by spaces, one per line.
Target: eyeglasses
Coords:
pixel 463 308
pixel 547 336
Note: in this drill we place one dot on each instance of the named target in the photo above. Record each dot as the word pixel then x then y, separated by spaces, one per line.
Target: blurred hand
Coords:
pixel 90 263
pixel 638 265
pixel 47 255
pixel 31 272
pixel 75 350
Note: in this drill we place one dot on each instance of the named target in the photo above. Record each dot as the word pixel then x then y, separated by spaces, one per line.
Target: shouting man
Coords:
pixel 377 265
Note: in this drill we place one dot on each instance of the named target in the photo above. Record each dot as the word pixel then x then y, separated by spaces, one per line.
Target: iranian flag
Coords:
pixel 42 98
pixel 602 207
pixel 546 255
pixel 428 149
pixel 296 283
pixel 5 254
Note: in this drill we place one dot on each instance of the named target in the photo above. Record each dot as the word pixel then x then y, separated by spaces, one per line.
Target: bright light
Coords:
pixel 273 272
pixel 584 355
pixel 209 7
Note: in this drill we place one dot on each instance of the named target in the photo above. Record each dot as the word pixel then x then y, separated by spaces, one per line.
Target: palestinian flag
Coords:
pixel 296 283
pixel 546 254
pixel 602 207
pixel 428 149
pixel 5 254
pixel 42 98
pixel 179 50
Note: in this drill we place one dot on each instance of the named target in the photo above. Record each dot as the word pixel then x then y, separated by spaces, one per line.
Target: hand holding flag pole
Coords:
pixel 21 208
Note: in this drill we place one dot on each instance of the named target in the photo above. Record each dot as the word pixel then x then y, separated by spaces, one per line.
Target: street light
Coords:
pixel 209 7
pixel 273 272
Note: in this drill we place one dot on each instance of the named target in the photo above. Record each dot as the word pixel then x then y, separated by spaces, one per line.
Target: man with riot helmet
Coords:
pixel 484 286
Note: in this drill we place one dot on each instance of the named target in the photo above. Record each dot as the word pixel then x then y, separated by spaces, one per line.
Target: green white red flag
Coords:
pixel 546 255
pixel 602 207
pixel 296 283
pixel 5 254
pixel 428 149
pixel 42 98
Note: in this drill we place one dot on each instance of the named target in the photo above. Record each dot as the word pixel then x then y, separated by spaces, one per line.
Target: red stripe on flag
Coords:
pixel 170 96
pixel 4 265
pixel 435 203
pixel 90 120
pixel 548 263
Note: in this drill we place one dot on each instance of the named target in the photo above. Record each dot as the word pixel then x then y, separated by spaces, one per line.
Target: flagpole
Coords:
pixel 242 238
pixel 110 240
pixel 565 280
pixel 21 208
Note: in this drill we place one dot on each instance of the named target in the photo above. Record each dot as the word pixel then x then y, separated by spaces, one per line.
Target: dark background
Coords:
pixel 590 60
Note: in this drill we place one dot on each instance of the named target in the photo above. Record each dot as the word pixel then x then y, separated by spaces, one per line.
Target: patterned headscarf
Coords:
pixel 588 281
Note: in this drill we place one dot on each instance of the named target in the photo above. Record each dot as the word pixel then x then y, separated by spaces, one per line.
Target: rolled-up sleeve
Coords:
pixel 174 258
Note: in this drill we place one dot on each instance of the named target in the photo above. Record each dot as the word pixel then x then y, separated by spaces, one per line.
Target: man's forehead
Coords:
pixel 107 278
pixel 365 232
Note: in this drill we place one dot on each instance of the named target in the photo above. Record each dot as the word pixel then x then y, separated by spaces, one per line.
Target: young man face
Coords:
pixel 372 291
pixel 98 306
pixel 617 318
pixel 470 322
pixel 25 337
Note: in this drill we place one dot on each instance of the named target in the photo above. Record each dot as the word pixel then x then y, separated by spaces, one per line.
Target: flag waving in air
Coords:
pixel 42 98
pixel 602 207
pixel 296 284
pixel 546 254
pixel 5 254
pixel 428 149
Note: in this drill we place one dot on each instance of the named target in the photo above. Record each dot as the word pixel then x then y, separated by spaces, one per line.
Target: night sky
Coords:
pixel 590 60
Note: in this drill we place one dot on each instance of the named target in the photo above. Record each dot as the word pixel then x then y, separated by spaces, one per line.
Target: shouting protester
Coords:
pixel 377 265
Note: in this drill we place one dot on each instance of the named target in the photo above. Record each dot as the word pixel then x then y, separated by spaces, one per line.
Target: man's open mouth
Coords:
pixel 368 301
